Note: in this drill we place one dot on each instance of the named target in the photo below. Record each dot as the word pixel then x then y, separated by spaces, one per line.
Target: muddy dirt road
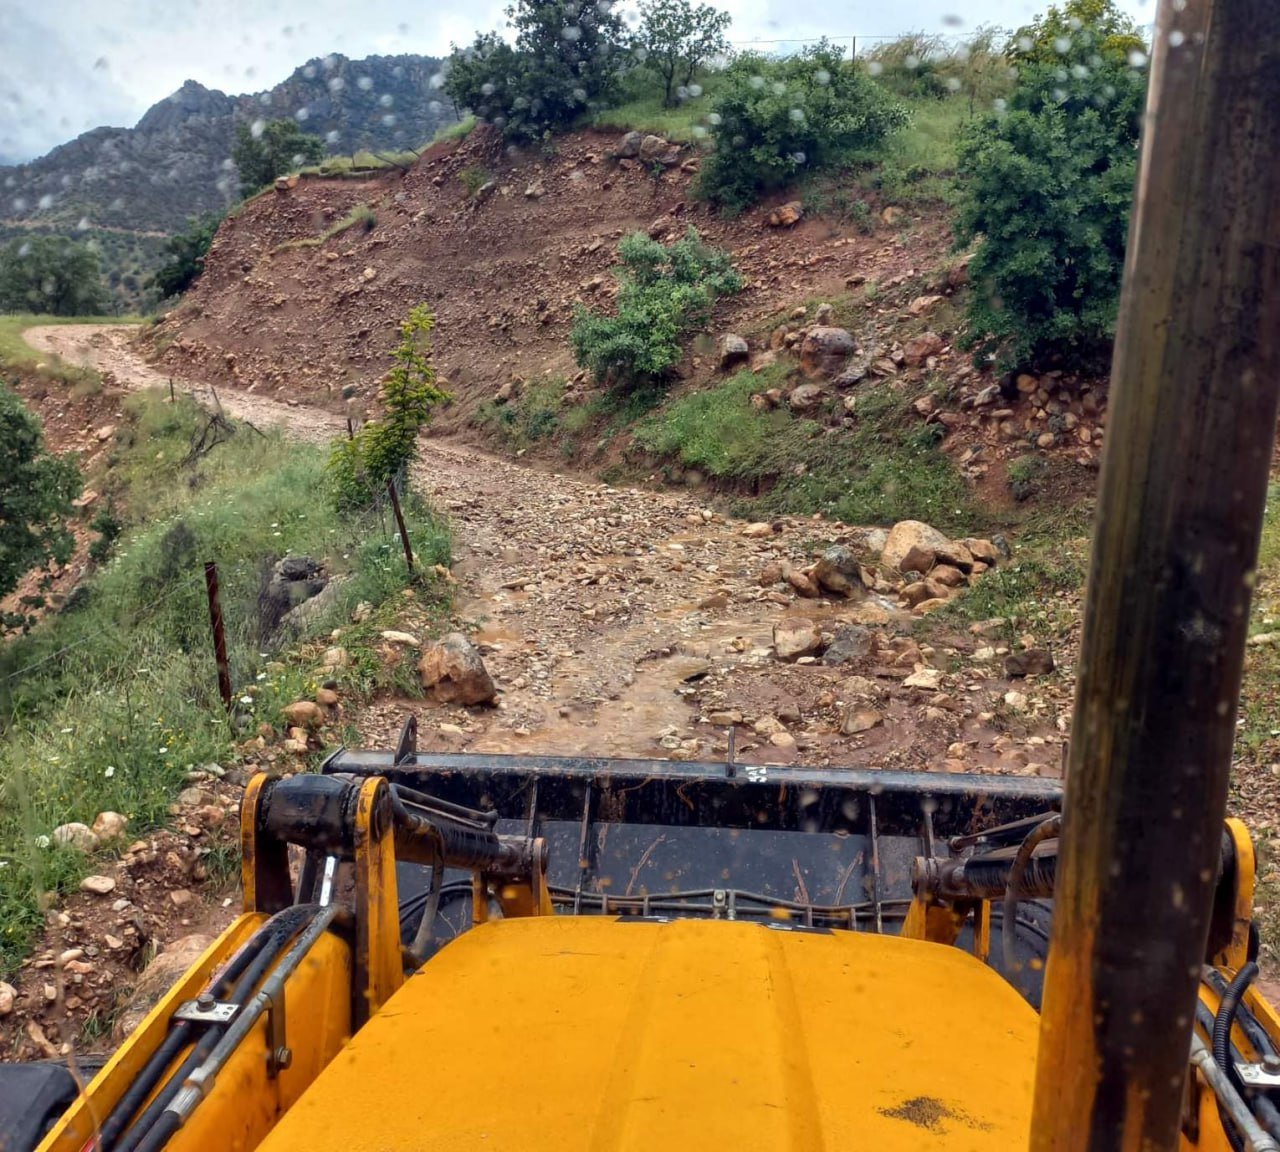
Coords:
pixel 629 622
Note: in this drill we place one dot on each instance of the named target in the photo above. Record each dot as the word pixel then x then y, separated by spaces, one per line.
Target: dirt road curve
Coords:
pixel 633 623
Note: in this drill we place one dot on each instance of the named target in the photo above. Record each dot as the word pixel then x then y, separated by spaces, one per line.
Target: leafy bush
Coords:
pixel 1047 189
pixel 50 274
pixel 664 292
pixel 381 452
pixel 564 63
pixel 262 152
pixel 108 527
pixel 774 119
pixel 36 490
pixel 184 257
pixel 1076 31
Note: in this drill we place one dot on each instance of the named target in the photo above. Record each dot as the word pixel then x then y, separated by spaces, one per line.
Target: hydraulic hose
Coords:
pixel 276 933
pixel 1043 831
pixel 1222 1043
pixel 180 1034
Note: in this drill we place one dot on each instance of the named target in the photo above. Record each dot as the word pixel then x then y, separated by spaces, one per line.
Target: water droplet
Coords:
pixel 1025 43
pixel 437 80
pixel 386 100
pixel 911 61
pixel 257 128
pixel 571 32
pixel 1177 38
pixel 309 72
pixel 1062 45
pixel 46 201
pixel 302 113
pixel 714 119
pixel 487 89
pixel 695 90
pixel 580 94
pixel 822 76
pixel 1137 59
pixel 778 87
pixel 953 84
pixel 332 137
pixel 364 83
pixel 1079 71
pixel 83 224
pixel 388 120
pixel 329 63
pixel 797 115
pixel 875 68
pixel 757 82
pixel 337 84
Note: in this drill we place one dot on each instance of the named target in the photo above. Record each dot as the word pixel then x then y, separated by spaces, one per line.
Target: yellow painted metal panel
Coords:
pixel 585 1034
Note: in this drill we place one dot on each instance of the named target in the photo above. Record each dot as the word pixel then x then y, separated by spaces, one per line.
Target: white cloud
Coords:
pixel 73 64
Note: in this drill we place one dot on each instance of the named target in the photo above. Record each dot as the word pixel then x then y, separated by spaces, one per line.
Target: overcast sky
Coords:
pixel 70 65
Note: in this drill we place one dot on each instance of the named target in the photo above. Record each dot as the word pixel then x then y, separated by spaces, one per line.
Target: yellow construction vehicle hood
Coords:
pixel 575 1033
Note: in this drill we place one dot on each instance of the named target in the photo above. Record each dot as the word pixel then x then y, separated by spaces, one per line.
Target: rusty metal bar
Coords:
pixel 1194 396
pixel 219 633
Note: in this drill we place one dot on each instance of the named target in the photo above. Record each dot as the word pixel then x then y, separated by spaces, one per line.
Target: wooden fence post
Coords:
pixel 219 633
pixel 404 532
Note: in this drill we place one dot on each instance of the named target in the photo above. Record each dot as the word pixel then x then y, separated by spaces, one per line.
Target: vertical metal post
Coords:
pixel 404 532
pixel 853 49
pixel 171 396
pixel 219 633
pixel 1193 412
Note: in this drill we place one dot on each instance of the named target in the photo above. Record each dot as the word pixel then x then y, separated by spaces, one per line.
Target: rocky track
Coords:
pixel 629 622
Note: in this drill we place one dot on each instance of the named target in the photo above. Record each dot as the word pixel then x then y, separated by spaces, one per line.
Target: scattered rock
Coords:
pixel 629 146
pixel 304 714
pixel 783 740
pixel 1032 662
pixel 108 826
pixel 758 530
pixel 536 191
pixel 917 559
pixel 787 216
pixel 893 215
pixel 908 534
pixel 803 584
pixel 928 678
pixel 947 575
pixel 983 550
pixel 335 658
pixel 1017 701
pixel 795 638
pixel 453 672
pixel 77 836
pixel 922 304
pixel 825 351
pixel 98 885
pixel 8 994
pixel 326 698
pixel 725 719
pixel 851 643
pixel 806 397
pixel 181 897
pixel 917 351
pixel 652 149
pixel 921 590
pixel 857 720
pixel 824 314
pixel 731 350
pixel 391 636
pixel 772 573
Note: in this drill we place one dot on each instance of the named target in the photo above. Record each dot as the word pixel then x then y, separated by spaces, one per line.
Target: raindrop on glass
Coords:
pixel 257 128
pixel 302 113
pixel 364 83
pixel 571 32
pixel 1062 45
pixel 386 100
pixel 1177 38
pixel 337 84
pixel 822 76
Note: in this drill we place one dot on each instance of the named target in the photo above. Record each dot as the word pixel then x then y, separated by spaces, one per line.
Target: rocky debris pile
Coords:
pixel 140 897
pixel 913 561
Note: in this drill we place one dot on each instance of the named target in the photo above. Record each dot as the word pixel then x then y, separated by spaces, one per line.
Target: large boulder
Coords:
pixel 629 146
pixel 795 638
pixel 838 571
pixel 909 534
pixel 850 644
pixel 917 351
pixel 731 351
pixel 656 150
pixel 453 672
pixel 825 351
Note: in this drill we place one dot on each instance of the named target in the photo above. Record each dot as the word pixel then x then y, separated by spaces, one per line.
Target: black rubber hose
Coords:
pixel 1222 1042
pixel 161 1133
pixel 1043 831
pixel 277 933
pixel 1254 1032
pixel 179 1036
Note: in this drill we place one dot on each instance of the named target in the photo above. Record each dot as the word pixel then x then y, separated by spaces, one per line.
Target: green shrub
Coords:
pixel 184 257
pixel 474 178
pixel 108 527
pixel 381 452
pixel 664 293
pixel 50 274
pixel 36 490
pixel 774 119
pixel 1047 188
pixel 262 152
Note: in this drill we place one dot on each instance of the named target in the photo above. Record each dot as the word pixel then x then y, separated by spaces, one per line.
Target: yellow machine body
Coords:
pixel 575 1033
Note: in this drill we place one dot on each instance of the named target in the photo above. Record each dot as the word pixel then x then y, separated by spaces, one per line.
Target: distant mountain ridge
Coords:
pixel 175 163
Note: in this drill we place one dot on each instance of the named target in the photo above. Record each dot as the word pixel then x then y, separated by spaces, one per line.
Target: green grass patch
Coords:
pixel 111 702
pixel 887 467
pixel 536 414
pixel 361 216
pixel 641 109
pixel 459 131
pixel 361 163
